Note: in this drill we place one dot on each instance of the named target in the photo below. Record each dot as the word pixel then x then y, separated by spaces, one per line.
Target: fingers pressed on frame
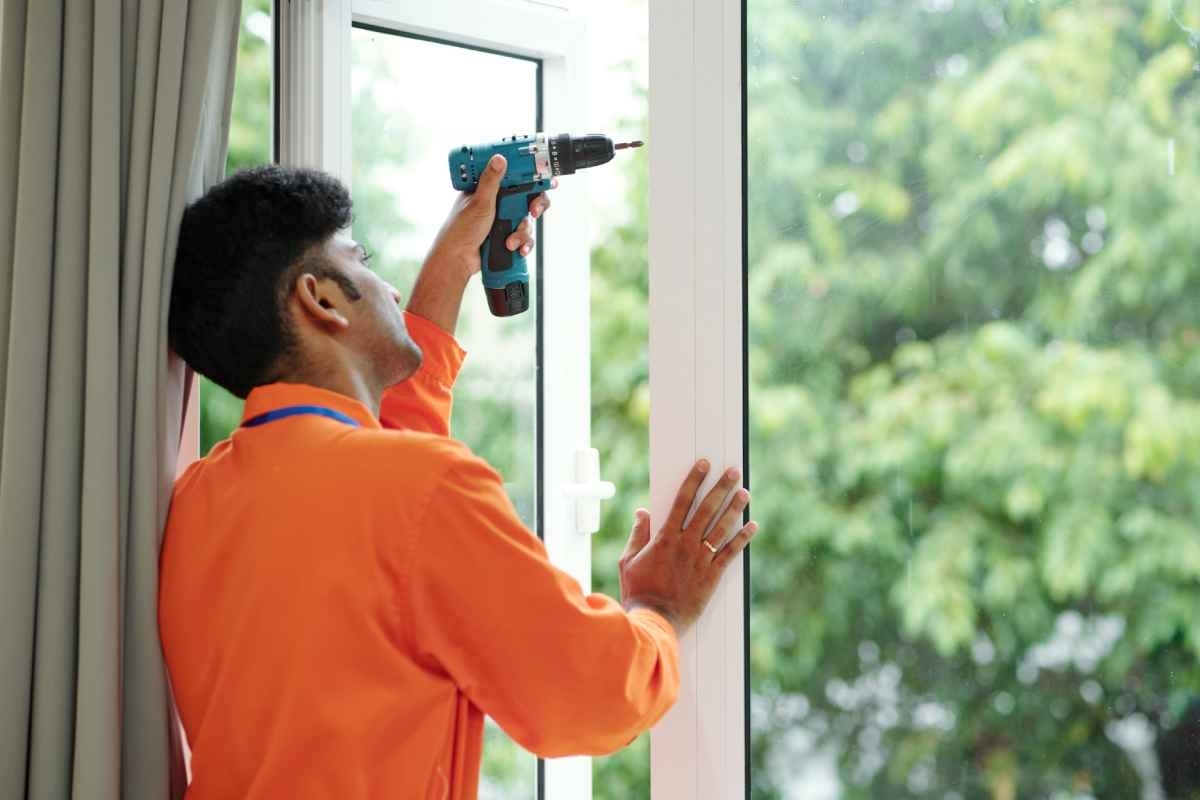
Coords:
pixel 714 500
pixel 686 495
pixel 735 545
pixel 729 518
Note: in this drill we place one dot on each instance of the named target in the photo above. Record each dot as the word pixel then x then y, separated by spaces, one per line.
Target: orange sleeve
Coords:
pixel 562 673
pixel 422 402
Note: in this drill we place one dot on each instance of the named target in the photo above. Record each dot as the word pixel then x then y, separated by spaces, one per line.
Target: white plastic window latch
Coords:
pixel 588 490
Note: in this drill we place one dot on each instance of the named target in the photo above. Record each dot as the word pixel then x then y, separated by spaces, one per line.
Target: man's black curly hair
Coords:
pixel 240 246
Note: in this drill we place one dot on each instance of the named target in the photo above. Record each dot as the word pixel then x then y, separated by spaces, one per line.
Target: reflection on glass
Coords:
pixel 974 365
pixel 411 102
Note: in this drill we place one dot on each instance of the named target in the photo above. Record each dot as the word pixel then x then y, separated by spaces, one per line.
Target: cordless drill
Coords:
pixel 532 162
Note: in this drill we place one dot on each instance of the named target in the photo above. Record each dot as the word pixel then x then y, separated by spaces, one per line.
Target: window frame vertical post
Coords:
pixel 314 83
pixel 697 361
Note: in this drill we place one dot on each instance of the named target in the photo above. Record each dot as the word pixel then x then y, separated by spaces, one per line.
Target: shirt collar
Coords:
pixel 274 396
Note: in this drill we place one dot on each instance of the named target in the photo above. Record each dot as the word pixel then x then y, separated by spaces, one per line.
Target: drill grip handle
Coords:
pixel 505 273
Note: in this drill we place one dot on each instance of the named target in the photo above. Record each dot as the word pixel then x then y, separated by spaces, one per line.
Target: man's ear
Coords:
pixel 318 298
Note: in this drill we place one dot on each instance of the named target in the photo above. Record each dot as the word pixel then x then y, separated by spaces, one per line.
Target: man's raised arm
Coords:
pixel 423 402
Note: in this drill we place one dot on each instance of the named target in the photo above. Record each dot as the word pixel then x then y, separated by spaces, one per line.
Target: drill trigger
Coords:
pixel 517 189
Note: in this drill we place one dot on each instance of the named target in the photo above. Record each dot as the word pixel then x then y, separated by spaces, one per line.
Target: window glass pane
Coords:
pixel 618 205
pixel 249 146
pixel 974 367
pixel 412 101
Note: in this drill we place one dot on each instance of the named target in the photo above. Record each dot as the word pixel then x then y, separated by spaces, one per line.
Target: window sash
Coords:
pixel 697 360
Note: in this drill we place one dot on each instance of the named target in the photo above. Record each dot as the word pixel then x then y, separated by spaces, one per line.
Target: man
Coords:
pixel 345 590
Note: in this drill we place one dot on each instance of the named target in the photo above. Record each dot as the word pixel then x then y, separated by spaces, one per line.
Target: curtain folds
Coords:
pixel 113 115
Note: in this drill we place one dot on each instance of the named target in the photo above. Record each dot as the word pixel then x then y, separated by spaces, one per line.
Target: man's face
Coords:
pixel 377 330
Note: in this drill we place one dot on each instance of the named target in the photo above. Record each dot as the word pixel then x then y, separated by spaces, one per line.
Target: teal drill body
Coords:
pixel 533 161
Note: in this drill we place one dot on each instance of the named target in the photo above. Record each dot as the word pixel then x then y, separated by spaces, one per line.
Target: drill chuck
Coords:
pixel 568 153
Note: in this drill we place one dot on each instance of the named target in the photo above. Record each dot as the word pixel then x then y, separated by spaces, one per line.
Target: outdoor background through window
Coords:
pixel 975 353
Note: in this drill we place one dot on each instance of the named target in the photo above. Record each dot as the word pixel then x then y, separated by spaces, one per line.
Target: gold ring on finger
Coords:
pixel 709 545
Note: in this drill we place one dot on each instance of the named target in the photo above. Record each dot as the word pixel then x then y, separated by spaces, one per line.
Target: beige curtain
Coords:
pixel 113 115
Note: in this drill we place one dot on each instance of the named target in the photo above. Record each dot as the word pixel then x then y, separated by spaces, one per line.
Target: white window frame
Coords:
pixel 697 369
pixel 314 59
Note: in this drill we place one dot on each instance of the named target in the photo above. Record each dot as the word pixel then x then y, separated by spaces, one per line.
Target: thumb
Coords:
pixel 489 181
pixel 639 536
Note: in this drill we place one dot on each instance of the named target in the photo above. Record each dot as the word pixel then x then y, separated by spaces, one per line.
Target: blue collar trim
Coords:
pixel 297 411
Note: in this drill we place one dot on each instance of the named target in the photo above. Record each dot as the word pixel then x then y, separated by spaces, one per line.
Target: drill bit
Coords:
pixel 624 145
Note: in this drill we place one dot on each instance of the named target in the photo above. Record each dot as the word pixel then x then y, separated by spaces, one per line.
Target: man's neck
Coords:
pixel 338 379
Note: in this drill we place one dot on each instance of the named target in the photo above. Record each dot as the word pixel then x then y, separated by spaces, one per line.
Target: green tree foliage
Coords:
pixel 250 126
pixel 973 364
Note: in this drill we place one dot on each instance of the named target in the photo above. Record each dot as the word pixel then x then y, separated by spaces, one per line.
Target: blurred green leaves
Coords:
pixel 974 371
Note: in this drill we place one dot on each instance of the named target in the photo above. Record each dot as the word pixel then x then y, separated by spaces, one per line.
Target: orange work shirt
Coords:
pixel 340 604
